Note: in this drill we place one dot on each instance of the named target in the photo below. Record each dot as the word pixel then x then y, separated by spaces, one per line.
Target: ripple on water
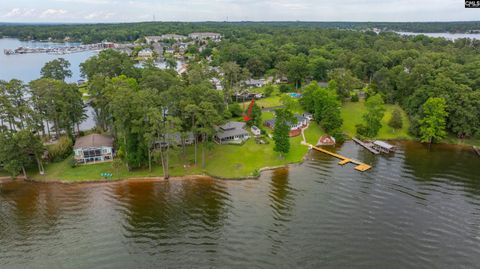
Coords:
pixel 408 211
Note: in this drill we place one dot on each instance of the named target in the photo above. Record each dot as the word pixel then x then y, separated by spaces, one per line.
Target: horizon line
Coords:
pixel 237 21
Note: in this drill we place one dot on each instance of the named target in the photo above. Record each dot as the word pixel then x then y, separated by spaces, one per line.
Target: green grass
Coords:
pixel 271 101
pixel 352 115
pixel 227 161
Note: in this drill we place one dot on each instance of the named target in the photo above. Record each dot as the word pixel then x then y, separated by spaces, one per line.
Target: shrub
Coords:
pixel 60 150
pixel 268 90
pixel 285 88
pixel 354 97
pixel 235 110
pixel 72 163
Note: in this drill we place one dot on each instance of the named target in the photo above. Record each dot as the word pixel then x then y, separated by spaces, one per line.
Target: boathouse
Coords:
pixel 326 140
pixel 383 146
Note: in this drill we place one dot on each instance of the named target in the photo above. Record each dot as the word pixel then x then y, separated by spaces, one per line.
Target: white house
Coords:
pixel 153 39
pixel 145 53
pixel 93 148
pixel 217 83
pixel 255 130
pixel 173 36
pixel 205 35
pixel 255 82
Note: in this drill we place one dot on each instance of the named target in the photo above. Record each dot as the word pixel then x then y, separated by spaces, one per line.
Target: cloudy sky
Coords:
pixel 233 10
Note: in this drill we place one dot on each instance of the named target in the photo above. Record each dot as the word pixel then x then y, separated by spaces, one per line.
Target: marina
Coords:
pixel 60 49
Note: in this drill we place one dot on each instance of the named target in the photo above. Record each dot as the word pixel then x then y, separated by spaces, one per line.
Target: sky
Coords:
pixel 88 11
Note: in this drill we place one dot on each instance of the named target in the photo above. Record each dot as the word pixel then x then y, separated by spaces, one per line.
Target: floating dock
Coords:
pixel 344 160
pixel 368 146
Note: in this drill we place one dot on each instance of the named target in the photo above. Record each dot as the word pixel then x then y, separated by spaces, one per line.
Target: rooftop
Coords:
pixel 93 141
pixel 383 144
pixel 232 125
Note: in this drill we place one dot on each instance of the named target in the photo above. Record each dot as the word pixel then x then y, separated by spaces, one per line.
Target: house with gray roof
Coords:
pixel 231 132
pixel 93 148
pixel 295 127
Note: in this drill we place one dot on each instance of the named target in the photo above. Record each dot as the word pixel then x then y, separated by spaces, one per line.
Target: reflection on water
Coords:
pixel 417 208
pixel 26 67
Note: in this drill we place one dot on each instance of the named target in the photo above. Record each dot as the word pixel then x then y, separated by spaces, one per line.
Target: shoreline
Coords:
pixel 195 176
pixel 142 179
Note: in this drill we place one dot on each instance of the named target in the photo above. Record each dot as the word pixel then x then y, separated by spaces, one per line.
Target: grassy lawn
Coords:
pixel 228 161
pixel 352 115
pixel 239 161
pixel 271 101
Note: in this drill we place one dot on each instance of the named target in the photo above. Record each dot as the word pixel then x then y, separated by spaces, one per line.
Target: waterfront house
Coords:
pixel 308 116
pixel 231 132
pixel 93 148
pixel 177 139
pixel 295 128
pixel 383 146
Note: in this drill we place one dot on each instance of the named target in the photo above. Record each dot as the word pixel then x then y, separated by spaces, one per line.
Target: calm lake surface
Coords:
pixel 414 209
pixel 26 67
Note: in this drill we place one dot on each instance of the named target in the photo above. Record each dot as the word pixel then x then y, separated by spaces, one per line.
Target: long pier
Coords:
pixel 344 160
pixel 366 145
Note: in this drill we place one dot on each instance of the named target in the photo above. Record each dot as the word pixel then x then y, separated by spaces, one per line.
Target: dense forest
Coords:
pixel 89 33
pixel 436 81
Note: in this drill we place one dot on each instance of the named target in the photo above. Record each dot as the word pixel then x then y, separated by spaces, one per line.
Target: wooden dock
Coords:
pixel 344 160
pixel 366 145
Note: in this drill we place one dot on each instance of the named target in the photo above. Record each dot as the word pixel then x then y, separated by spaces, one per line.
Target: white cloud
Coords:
pixel 48 13
pixel 100 2
pixel 99 15
pixel 19 12
pixel 234 10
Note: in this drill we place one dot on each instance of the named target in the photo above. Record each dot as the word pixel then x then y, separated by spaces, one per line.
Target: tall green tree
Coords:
pixel 296 69
pixel 281 131
pixel 19 150
pixel 56 69
pixel 396 119
pixel 433 121
pixel 345 81
pixel 373 117
pixel 109 63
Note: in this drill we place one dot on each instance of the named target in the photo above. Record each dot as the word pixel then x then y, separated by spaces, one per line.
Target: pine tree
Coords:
pixel 396 119
pixel 281 131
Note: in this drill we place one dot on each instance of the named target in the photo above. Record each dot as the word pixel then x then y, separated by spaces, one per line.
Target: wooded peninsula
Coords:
pixel 237 101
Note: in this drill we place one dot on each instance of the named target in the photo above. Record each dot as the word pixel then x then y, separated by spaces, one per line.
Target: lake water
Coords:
pixel 418 208
pixel 449 36
pixel 26 67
